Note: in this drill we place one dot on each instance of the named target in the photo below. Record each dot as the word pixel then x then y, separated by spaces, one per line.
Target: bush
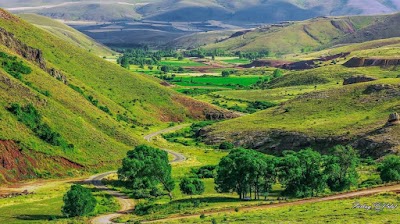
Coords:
pixel 226 146
pixel 390 169
pixel 78 201
pixel 205 171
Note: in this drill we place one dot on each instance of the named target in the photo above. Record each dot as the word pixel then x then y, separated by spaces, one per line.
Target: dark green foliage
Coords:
pixel 13 67
pixel 245 171
pixel 31 117
pixel 226 146
pixel 191 186
pixel 189 134
pixel 78 201
pixel 147 168
pixel 277 73
pixel 301 173
pixel 390 169
pixel 105 109
pixel 340 168
pixel 204 171
pixel 144 56
pixel 225 73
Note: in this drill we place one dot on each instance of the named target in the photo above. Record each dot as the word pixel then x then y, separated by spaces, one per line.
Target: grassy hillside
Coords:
pixel 67 33
pixel 317 110
pixel 96 106
pixel 295 37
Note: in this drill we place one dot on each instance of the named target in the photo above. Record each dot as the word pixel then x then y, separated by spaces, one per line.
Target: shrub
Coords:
pixel 78 201
pixel 205 171
pixel 390 169
pixel 226 145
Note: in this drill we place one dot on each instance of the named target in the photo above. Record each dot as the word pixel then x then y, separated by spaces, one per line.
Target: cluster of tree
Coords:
pixel 144 56
pixel 31 117
pixel 303 174
pixel 252 56
pixel 13 67
pixel 202 53
pixel 227 73
pixel 78 201
pixel 147 168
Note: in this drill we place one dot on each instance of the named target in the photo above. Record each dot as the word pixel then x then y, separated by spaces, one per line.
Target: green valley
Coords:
pixel 289 122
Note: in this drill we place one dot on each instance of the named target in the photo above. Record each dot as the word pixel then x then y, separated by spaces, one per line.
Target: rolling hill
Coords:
pixel 67 33
pixel 64 110
pixel 317 110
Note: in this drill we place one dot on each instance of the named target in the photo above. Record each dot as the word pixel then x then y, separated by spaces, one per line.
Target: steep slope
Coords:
pixel 60 103
pixel 67 33
pixel 385 28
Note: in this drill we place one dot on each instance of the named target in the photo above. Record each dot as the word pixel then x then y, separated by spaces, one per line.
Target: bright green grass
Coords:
pixel 45 205
pixel 181 63
pixel 230 81
pixel 340 211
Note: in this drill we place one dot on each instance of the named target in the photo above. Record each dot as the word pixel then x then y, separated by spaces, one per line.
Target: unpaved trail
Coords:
pixel 362 193
pixel 127 204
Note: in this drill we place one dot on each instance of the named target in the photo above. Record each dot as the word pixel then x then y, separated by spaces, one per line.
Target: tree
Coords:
pixel 78 201
pixel 245 171
pixel 146 168
pixel 277 73
pixel 225 73
pixel 192 186
pixel 340 168
pixel 165 68
pixel 390 169
pixel 301 173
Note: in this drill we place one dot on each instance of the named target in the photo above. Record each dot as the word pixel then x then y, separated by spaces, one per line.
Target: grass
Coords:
pixel 44 205
pixel 68 34
pixel 340 211
pixel 181 63
pixel 230 82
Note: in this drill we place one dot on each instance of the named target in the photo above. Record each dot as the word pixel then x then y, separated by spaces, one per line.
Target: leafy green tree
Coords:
pixel 146 167
pixel 277 73
pixel 301 173
pixel 390 169
pixel 165 68
pixel 340 168
pixel 225 73
pixel 245 171
pixel 192 186
pixel 78 201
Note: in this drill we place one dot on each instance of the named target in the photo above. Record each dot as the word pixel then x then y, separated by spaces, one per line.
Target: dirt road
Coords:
pixel 127 204
pixel 362 193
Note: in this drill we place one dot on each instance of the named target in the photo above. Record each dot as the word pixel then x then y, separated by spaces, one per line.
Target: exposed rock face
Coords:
pixel 58 75
pixel 25 163
pixel 32 54
pixel 394 119
pixel 378 88
pixel 364 62
pixel 358 79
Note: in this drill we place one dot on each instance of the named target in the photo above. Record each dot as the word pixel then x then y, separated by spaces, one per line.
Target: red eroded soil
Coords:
pixel 17 164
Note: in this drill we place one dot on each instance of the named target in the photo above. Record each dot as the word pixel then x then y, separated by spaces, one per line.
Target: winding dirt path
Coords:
pixel 362 193
pixel 127 204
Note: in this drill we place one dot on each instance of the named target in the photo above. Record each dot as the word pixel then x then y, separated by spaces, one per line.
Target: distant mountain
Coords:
pixel 252 11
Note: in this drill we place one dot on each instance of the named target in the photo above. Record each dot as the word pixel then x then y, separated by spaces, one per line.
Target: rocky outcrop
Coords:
pixel 358 79
pixel 29 53
pixel 365 62
pixel 394 119
pixel 275 141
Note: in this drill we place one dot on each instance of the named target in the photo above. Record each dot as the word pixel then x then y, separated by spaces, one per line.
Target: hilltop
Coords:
pixel 66 108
